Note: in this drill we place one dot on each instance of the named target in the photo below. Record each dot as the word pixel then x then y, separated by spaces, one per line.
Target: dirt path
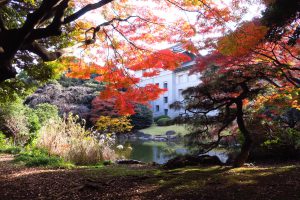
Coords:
pixel 18 182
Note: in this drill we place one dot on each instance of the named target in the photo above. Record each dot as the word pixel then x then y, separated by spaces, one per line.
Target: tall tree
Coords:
pixel 257 55
pixel 117 34
pixel 32 32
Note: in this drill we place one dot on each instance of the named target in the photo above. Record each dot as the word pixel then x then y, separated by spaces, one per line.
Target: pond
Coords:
pixel 158 151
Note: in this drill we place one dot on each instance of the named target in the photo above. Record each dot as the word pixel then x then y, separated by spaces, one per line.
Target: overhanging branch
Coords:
pixel 41 51
pixel 3 2
pixel 84 10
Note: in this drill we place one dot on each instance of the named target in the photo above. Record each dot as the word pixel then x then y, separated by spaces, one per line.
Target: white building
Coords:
pixel 175 82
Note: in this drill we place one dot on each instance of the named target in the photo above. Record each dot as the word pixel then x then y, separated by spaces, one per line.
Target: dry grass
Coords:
pixel 68 139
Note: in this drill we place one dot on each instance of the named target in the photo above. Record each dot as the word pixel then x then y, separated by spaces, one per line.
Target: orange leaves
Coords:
pixel 151 73
pixel 83 70
pixel 126 99
pixel 163 59
pixel 268 2
pixel 242 40
pixel 121 84
pixel 136 30
pixel 280 99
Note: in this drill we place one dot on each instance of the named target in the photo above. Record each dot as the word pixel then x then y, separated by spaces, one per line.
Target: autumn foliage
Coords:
pixel 121 83
pixel 129 40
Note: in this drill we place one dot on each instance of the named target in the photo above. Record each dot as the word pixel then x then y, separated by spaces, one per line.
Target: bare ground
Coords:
pixel 280 182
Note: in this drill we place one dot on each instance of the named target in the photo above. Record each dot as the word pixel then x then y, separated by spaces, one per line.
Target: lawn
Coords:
pixel 161 130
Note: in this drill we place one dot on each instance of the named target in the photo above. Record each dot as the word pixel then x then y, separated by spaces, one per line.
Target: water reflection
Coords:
pixel 159 151
pixel 151 151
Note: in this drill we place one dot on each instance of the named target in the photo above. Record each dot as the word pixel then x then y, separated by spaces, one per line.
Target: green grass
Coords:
pixel 161 130
pixel 38 158
pixel 10 149
pixel 119 171
pixel 33 157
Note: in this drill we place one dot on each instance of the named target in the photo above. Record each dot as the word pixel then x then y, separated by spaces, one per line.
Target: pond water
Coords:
pixel 157 151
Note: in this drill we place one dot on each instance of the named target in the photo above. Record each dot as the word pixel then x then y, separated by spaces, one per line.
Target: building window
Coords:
pixel 166 111
pixel 165 99
pixel 157 108
pixel 180 93
pixel 165 85
pixel 180 79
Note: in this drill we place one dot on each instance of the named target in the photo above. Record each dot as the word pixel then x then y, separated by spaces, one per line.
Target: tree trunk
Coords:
pixel 6 69
pixel 244 154
pixel 248 143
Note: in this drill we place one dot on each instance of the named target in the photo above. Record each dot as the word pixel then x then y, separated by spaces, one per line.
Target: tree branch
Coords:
pixel 4 2
pixel 84 10
pixel 2 26
pixel 41 51
pixel 52 29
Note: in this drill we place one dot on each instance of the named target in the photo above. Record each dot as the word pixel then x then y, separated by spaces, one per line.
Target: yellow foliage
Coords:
pixel 279 99
pixel 107 124
pixel 242 40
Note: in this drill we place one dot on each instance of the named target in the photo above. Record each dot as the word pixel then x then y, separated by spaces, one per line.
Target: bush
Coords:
pixel 160 117
pixel 45 112
pixel 164 122
pixel 6 145
pixel 2 139
pixel 107 124
pixel 285 138
pixel 11 150
pixel 143 118
pixel 68 139
pixel 38 157
pixel 17 121
pixel 75 99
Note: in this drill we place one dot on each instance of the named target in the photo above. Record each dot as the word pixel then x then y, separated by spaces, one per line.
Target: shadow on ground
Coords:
pixel 115 182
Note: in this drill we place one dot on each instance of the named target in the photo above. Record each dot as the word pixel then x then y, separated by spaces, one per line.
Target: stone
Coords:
pixel 170 133
pixel 182 161
pixel 172 137
pixel 160 138
pixel 129 162
pixel 147 135
pixel 139 134
pixel 189 160
pixel 209 160
pixel 144 138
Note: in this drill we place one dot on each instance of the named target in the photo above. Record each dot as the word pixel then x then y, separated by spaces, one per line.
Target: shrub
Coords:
pixel 16 121
pixel 2 139
pixel 143 118
pixel 46 111
pixel 75 97
pixel 6 145
pixel 11 150
pixel 107 124
pixel 68 139
pixel 164 122
pixel 37 157
pixel 160 117
pixel 285 138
